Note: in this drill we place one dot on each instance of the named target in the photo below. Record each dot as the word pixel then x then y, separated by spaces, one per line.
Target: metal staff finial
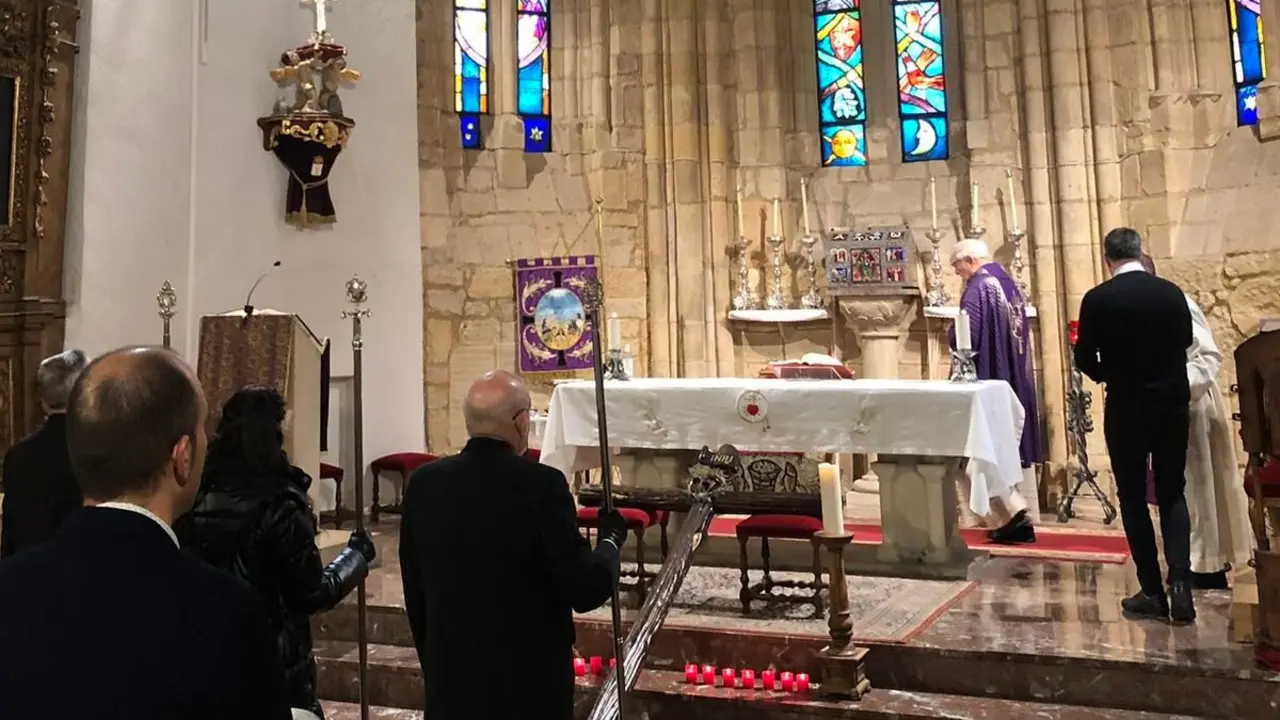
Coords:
pixel 357 293
pixel 167 300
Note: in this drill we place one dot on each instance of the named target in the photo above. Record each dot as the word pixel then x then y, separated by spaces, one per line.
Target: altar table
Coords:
pixel 921 430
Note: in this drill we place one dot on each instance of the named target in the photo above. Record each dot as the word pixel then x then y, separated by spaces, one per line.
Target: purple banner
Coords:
pixel 553 331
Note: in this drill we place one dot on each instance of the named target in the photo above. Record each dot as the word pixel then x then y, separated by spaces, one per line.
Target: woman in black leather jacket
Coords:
pixel 252 517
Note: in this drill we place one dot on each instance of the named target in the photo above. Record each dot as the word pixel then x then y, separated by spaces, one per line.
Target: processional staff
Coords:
pixel 167 299
pixel 357 294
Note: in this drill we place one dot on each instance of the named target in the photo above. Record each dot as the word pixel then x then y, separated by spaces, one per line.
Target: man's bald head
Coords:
pixel 498 405
pixel 131 412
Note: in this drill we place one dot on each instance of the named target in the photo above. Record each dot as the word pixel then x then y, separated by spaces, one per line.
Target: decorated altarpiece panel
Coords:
pixel 37 58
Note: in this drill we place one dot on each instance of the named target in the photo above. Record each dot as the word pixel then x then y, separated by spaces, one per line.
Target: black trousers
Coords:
pixel 1136 430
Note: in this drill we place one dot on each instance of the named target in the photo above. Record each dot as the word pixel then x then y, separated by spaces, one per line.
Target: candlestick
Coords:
pixel 933 203
pixel 1013 201
pixel 938 296
pixel 615 331
pixel 777 216
pixel 964 340
pixel 1016 237
pixel 776 300
pixel 745 298
pixel 742 223
pixel 811 299
pixel 845 672
pixel 973 205
pixel 804 203
pixel 832 499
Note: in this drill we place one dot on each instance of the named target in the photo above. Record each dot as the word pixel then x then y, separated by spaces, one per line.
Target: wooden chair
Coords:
pixel 1258 389
pixel 334 473
pixel 402 464
pixel 790 527
pixel 638 522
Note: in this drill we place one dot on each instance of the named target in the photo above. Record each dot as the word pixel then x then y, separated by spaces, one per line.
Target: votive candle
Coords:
pixel 579 667
pixel 597 665
pixel 726 677
pixel 749 679
pixel 691 674
pixel 788 682
pixel 802 682
pixel 766 679
pixel 708 675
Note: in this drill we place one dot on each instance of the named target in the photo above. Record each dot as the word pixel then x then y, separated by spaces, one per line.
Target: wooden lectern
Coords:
pixel 278 350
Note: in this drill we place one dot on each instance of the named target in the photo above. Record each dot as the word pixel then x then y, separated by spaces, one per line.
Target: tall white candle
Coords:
pixel 973 206
pixel 1013 201
pixel 742 223
pixel 964 336
pixel 933 203
pixel 804 204
pixel 832 499
pixel 615 331
pixel 777 217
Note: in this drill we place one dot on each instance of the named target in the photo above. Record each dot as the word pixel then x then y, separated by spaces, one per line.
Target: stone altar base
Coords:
pixel 1032 639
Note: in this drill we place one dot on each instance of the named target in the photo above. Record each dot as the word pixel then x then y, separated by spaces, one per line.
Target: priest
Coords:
pixel 998 328
pixel 1221 537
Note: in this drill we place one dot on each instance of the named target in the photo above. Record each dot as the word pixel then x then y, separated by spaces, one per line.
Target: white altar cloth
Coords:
pixel 981 421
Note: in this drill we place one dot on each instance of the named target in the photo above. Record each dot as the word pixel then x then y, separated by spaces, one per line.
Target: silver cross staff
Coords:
pixel 322 20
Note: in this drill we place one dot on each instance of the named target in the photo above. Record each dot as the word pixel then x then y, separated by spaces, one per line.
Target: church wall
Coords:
pixel 208 215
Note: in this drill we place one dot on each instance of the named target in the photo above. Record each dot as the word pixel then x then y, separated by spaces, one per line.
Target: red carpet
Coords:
pixel 1052 543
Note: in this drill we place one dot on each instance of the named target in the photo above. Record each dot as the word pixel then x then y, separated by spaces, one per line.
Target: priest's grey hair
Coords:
pixel 493 402
pixel 971 250
pixel 57 375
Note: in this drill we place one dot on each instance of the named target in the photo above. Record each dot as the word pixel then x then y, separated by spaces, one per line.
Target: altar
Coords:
pixel 922 433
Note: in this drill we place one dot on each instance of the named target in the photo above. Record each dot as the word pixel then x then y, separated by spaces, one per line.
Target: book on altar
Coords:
pixel 810 366
pixel 278 350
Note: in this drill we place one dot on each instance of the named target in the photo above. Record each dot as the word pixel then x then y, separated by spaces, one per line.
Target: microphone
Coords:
pixel 248 299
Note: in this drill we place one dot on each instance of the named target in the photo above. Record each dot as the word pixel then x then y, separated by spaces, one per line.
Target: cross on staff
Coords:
pixel 321 10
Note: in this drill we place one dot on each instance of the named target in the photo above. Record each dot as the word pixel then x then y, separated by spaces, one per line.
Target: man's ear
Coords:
pixel 184 458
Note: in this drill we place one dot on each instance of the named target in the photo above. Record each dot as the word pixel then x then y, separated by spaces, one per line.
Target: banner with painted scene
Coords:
pixel 553 330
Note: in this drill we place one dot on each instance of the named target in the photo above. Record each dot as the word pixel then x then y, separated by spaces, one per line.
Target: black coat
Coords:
pixel 110 621
pixel 494 567
pixel 40 490
pixel 261 529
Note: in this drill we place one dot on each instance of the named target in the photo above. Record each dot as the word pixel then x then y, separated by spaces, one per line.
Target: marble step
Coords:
pixel 351 711
pixel 395 683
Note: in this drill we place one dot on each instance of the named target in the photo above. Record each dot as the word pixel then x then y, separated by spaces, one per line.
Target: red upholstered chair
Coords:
pixel 789 527
pixel 402 464
pixel 1269 480
pixel 533 454
pixel 638 521
pixel 334 473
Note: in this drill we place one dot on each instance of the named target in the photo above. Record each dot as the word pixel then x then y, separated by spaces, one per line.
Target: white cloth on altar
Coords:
pixel 981 421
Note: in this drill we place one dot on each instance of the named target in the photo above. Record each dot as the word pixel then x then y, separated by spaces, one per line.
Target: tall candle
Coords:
pixel 742 223
pixel 615 331
pixel 832 499
pixel 777 217
pixel 964 340
pixel 973 206
pixel 804 203
pixel 1013 201
pixel 933 203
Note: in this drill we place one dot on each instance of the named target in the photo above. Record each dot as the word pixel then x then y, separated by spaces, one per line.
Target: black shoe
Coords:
pixel 1143 605
pixel 1182 608
pixel 1210 581
pixel 1018 531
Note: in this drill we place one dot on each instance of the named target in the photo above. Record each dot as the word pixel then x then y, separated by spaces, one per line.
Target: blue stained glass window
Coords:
pixel 533 81
pixel 922 89
pixel 470 67
pixel 842 99
pixel 1248 56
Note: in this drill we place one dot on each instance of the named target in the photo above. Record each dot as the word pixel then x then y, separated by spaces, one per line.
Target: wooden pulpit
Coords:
pixel 273 349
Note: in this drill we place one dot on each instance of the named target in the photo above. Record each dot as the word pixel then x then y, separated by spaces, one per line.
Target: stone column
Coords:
pixel 663 345
pixel 879 325
pixel 506 139
pixel 1172 54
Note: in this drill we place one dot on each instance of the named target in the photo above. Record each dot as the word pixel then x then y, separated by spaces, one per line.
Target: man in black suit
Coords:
pixel 109 619
pixel 40 490
pixel 1134 333
pixel 494 567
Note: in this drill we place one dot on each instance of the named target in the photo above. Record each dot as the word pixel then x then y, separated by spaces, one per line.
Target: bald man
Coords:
pixel 492 559
pixel 146 631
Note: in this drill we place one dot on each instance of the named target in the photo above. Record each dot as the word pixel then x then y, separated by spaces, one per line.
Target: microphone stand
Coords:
pixel 357 294
pixel 593 298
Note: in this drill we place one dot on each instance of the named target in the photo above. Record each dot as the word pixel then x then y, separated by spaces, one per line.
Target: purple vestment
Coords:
pixel 998 323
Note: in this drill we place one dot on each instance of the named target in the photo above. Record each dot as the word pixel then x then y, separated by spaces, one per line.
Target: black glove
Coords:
pixel 363 544
pixel 611 526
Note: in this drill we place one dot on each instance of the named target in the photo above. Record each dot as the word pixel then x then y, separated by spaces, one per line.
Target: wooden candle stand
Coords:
pixel 845 663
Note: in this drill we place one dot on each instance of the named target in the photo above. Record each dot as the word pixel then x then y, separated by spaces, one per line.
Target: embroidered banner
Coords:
pixel 551 320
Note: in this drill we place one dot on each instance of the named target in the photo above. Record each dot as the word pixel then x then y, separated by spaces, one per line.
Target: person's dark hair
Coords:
pixel 1122 244
pixel 127 411
pixel 1148 264
pixel 250 435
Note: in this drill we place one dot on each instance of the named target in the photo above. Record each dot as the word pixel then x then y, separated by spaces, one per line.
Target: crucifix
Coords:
pixel 322 21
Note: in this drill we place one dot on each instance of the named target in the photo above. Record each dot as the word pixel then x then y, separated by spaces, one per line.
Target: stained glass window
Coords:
pixel 1248 56
pixel 533 98
pixel 922 89
pixel 470 68
pixel 842 101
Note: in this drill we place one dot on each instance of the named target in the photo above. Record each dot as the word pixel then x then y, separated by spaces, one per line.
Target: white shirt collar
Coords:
pixel 130 507
pixel 1127 267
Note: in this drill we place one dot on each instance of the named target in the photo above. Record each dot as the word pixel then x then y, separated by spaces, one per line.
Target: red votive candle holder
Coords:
pixel 708 675
pixel 726 676
pixel 579 667
pixel 766 679
pixel 691 674
pixel 748 679
pixel 613 662
pixel 788 682
pixel 802 682
pixel 597 665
